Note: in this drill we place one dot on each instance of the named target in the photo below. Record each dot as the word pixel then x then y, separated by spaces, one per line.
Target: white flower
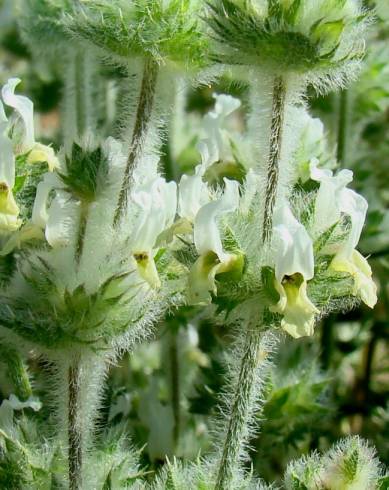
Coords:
pixel 52 215
pixel 333 200
pixel 157 204
pixel 25 109
pixel 9 210
pixel 193 191
pixel 311 145
pixel 330 196
pixel 24 113
pixel 213 125
pixel 206 232
pixel 213 259
pixel 294 266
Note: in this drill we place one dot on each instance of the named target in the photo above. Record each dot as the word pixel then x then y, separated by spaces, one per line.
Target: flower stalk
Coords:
pixel 79 113
pixel 142 121
pixel 273 164
pixel 74 426
pixel 84 213
pixel 175 385
pixel 343 126
pixel 248 389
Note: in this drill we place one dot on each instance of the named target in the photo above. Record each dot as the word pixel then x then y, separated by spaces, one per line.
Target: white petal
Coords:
pixel 293 246
pixel 59 216
pixel 24 107
pixel 7 160
pixel 157 203
pixel 213 121
pixel 328 206
pixel 3 117
pixel 355 206
pixel 168 192
pixel 225 104
pixel 206 232
pixel 193 194
pixel 209 151
pixel 39 211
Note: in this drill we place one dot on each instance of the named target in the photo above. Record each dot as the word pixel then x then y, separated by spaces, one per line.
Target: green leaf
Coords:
pixel 297 484
pixel 86 172
pixel 292 13
pixel 268 279
pixel 350 466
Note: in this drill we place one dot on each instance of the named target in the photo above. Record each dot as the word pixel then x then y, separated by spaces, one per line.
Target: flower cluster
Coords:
pixel 309 250
pixel 101 280
pixel 17 141
pixel 312 38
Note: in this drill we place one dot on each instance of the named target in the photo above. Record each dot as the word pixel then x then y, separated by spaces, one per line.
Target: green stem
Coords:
pixel 142 122
pixel 273 166
pixel 343 123
pixel 246 391
pixel 80 114
pixel 175 385
pixel 84 213
pixel 74 427
pixel 327 340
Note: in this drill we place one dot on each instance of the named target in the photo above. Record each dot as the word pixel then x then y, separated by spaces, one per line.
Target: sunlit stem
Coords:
pixel 175 384
pixel 141 125
pixel 343 126
pixel 245 393
pixel 79 106
pixel 275 148
pixel 74 426
pixel 84 213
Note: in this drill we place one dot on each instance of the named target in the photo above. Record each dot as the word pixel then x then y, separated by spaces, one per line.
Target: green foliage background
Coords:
pixel 324 387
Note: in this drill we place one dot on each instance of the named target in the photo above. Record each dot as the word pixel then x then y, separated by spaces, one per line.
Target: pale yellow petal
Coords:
pixel 147 269
pixel 358 267
pixel 297 309
pixel 42 153
pixel 9 210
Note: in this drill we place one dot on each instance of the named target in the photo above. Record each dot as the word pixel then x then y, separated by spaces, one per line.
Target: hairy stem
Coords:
pixel 84 213
pixel 343 121
pixel 175 385
pixel 273 166
pixel 142 121
pixel 74 427
pixel 246 391
pixel 79 108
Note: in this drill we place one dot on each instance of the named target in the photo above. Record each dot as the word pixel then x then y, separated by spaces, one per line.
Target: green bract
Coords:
pixel 40 22
pixel 163 31
pixel 55 317
pixel 294 35
pixel 86 171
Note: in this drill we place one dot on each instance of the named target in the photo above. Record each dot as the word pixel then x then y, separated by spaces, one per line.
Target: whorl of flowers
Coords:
pixel 319 40
pixel 159 30
pixel 311 265
pixel 78 279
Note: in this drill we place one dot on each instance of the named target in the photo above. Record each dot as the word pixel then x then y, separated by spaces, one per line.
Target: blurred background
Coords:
pixel 325 387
